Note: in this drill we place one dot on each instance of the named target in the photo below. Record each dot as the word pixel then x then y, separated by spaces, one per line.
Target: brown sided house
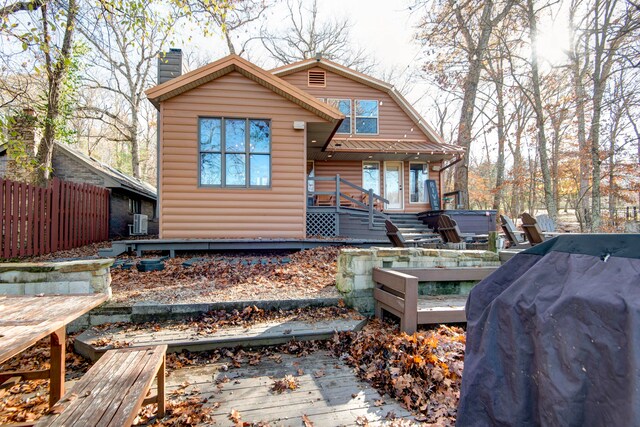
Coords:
pixel 297 151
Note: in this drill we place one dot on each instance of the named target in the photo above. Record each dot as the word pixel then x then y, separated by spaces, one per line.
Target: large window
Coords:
pixel 344 105
pixel 235 152
pixel 366 116
pixel 418 174
pixel 371 176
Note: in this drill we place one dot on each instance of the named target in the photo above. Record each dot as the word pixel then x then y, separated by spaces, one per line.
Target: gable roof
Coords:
pixel 113 177
pixel 221 67
pixel 422 124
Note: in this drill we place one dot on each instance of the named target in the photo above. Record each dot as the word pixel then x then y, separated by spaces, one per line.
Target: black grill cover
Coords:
pixel 553 337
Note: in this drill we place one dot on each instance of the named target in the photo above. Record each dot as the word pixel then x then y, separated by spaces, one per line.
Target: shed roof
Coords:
pixel 366 80
pixel 369 145
pixel 114 178
pixel 221 67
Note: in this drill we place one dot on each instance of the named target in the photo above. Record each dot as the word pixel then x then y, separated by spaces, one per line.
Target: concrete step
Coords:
pixel 92 344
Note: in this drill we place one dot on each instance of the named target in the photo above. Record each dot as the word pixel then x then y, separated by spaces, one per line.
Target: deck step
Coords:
pixel 92 344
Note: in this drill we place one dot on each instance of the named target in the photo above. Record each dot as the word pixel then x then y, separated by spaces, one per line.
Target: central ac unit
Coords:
pixel 140 224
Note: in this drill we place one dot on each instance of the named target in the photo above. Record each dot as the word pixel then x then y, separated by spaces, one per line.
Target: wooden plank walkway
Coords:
pixel 328 393
pixel 189 338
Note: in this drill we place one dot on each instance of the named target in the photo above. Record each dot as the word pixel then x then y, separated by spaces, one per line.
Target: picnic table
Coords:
pixel 26 319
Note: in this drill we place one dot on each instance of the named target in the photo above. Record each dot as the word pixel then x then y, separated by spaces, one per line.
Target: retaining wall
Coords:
pixel 355 266
pixel 67 277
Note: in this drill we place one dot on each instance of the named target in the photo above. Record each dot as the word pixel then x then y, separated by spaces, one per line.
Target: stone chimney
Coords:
pixel 21 147
pixel 169 65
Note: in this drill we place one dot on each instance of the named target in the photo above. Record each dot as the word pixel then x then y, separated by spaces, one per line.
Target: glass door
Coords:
pixel 393 185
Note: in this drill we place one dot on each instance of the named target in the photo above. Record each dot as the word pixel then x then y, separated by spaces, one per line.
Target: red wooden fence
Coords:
pixel 36 221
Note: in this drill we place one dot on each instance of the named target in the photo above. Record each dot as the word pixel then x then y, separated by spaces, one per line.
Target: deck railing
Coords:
pixel 340 183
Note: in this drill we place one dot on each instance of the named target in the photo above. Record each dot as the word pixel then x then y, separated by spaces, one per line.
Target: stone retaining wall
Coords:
pixel 355 267
pixel 68 277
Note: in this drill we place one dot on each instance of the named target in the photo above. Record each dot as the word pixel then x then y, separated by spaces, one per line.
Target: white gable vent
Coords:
pixel 317 78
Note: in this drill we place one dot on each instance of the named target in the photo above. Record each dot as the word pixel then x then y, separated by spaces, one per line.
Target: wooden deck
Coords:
pixel 188 338
pixel 328 393
pixel 195 245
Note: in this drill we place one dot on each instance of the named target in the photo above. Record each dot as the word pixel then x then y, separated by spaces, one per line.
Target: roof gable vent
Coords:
pixel 317 78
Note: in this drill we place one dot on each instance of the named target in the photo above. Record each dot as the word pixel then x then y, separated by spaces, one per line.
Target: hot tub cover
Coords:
pixel 553 337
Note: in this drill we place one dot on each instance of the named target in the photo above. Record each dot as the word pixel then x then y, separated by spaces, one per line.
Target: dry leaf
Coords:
pixel 307 422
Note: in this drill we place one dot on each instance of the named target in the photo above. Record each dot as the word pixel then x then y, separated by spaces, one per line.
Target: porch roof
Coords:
pixel 391 146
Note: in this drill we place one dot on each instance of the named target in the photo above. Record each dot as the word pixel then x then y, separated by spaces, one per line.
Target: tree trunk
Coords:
pixel 581 99
pixel 497 198
pixel 537 97
pixel 135 146
pixel 464 129
pixel 56 73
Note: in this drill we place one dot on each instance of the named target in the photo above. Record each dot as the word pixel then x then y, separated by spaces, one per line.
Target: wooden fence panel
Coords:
pixel 65 215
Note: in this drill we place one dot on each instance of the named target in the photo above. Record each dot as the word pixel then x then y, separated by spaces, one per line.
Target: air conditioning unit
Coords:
pixel 140 224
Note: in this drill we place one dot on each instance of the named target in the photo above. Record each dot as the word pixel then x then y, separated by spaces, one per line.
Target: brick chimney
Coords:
pixel 169 65
pixel 21 145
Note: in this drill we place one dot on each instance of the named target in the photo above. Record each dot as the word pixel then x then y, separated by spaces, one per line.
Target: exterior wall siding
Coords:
pixel 190 211
pixel 392 123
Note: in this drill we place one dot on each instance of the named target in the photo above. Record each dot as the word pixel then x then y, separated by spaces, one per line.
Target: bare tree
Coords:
pixel 306 36
pixel 126 42
pixel 465 26
pixel 227 17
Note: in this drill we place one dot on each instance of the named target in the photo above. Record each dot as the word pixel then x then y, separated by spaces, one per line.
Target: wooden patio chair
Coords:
pixel 546 224
pixel 377 204
pixel 531 229
pixel 324 200
pixel 450 232
pixel 448 229
pixel 346 203
pixel 510 232
pixel 398 240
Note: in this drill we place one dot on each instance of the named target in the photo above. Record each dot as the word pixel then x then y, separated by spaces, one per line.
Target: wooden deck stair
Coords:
pixel 180 338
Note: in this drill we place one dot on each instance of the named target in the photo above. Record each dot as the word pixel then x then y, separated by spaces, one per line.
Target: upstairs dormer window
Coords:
pixel 317 78
pixel 366 117
pixel 344 105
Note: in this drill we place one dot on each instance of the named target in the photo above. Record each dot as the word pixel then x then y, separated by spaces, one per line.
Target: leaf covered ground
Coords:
pixel 422 371
pixel 239 276
pixel 232 277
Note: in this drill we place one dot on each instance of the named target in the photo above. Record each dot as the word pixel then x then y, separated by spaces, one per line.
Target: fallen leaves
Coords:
pixel 276 276
pixel 307 422
pixel 423 370
pixel 288 383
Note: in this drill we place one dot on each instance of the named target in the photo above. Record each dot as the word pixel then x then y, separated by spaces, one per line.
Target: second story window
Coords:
pixel 235 152
pixel 344 105
pixel 366 116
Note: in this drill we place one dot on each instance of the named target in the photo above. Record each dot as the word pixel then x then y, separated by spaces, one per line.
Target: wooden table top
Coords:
pixel 25 319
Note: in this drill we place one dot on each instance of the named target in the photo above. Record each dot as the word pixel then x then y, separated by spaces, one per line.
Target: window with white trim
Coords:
pixel 235 152
pixel 366 117
pixel 344 105
pixel 418 174
pixel 371 176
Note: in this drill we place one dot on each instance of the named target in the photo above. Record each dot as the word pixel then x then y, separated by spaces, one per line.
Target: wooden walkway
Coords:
pixel 188 338
pixel 328 393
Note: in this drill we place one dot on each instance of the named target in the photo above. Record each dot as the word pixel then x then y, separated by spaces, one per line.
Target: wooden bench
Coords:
pixel 112 392
pixel 397 293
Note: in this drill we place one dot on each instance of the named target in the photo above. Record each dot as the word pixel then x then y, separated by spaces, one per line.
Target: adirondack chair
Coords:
pixel 448 229
pixel 547 225
pixel 450 232
pixel 509 229
pixel 325 200
pixel 531 229
pixel 398 240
